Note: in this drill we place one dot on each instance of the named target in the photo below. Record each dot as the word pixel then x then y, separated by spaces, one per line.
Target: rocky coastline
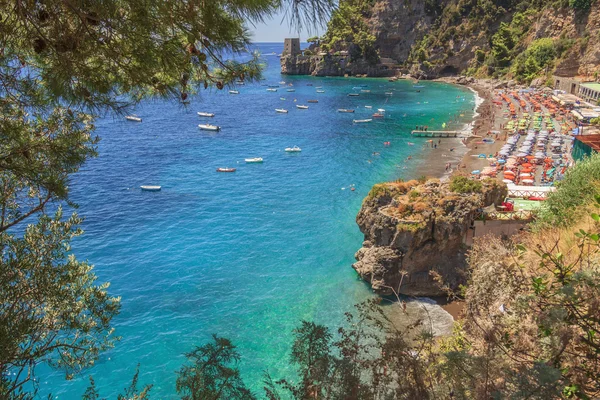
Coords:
pixel 414 234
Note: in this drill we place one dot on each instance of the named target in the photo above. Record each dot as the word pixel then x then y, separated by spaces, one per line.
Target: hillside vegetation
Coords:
pixel 518 39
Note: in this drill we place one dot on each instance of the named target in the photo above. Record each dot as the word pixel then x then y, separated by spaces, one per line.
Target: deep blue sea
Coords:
pixel 245 255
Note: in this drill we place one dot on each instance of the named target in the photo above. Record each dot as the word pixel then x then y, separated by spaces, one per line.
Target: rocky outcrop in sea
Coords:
pixel 414 232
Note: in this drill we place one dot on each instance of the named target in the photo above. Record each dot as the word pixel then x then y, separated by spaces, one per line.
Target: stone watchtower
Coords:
pixel 291 47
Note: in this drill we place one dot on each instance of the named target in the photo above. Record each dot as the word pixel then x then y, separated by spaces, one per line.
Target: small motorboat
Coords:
pixel 234 92
pixel 389 93
pixel 282 83
pixel 312 101
pixel 282 98
pixel 301 107
pixel 345 110
pixel 281 110
pixel 271 90
pixel 368 106
pixel 294 149
pixel 209 127
pixel 353 94
pixel 365 91
pixel 205 114
pixel 320 91
pixel 254 160
pixel 225 169
pixel 361 121
pixel 150 188
pixel 133 118
pixel 291 90
pixel 378 115
pixel 381 110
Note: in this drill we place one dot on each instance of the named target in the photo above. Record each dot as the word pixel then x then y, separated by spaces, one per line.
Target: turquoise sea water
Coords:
pixel 244 255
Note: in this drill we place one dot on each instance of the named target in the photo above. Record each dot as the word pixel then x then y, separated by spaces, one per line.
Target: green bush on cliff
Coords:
pixel 579 187
pixel 462 184
pixel 539 55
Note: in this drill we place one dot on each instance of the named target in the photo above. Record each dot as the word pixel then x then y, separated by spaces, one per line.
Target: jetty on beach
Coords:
pixel 442 134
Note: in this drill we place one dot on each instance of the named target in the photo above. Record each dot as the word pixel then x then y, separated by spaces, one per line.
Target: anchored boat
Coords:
pixel 281 110
pixel 133 118
pixel 302 107
pixel 345 110
pixel 234 92
pixel 209 127
pixel 225 169
pixel 294 149
pixel 254 160
pixel 150 188
pixel 205 114
pixel 361 121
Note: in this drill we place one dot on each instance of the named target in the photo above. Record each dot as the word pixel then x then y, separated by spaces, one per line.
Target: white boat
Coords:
pixel 150 188
pixel 381 110
pixel 291 90
pixel 225 169
pixel 361 121
pixel 282 98
pixel 281 110
pixel 345 110
pixel 294 149
pixel 365 91
pixel 271 90
pixel 353 94
pixel 282 83
pixel 388 93
pixel 368 106
pixel 234 92
pixel 133 118
pixel 254 160
pixel 205 114
pixel 302 107
pixel 320 91
pixel 209 127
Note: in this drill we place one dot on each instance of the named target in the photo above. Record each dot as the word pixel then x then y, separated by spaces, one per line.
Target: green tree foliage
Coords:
pixel 63 63
pixel 538 57
pixel 212 373
pixel 462 184
pixel 347 29
pixel 580 4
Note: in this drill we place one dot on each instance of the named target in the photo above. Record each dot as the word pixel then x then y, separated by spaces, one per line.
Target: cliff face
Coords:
pixel 431 39
pixel 412 230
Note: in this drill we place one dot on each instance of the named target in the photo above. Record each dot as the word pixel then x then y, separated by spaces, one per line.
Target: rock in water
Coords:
pixel 412 230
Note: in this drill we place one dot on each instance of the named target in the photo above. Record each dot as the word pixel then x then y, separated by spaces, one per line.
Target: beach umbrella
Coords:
pixel 525 175
pixel 530 157
pixel 527 165
pixel 501 161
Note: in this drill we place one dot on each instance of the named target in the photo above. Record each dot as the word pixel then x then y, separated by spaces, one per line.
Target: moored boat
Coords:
pixel 365 91
pixel 209 127
pixel 133 118
pixel 389 93
pixel 320 91
pixel 294 149
pixel 345 110
pixel 254 160
pixel 281 110
pixel 368 106
pixel 291 90
pixel 353 94
pixel 234 92
pixel 205 114
pixel 271 90
pixel 225 169
pixel 312 101
pixel 377 115
pixel 301 107
pixel 150 188
pixel 361 121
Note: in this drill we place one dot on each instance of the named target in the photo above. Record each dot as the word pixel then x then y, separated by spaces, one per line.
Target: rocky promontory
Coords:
pixel 414 231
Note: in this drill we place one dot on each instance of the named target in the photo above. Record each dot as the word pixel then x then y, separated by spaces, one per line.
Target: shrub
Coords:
pixel 463 184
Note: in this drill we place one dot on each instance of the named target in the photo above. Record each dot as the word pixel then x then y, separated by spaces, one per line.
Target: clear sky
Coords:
pixel 276 29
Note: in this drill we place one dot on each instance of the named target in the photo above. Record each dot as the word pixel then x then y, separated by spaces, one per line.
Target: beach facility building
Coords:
pixel 590 91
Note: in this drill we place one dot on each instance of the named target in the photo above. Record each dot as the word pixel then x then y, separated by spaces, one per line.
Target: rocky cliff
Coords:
pixel 412 230
pixel 483 38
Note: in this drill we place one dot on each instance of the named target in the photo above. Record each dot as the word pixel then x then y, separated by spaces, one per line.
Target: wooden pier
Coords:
pixel 440 134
